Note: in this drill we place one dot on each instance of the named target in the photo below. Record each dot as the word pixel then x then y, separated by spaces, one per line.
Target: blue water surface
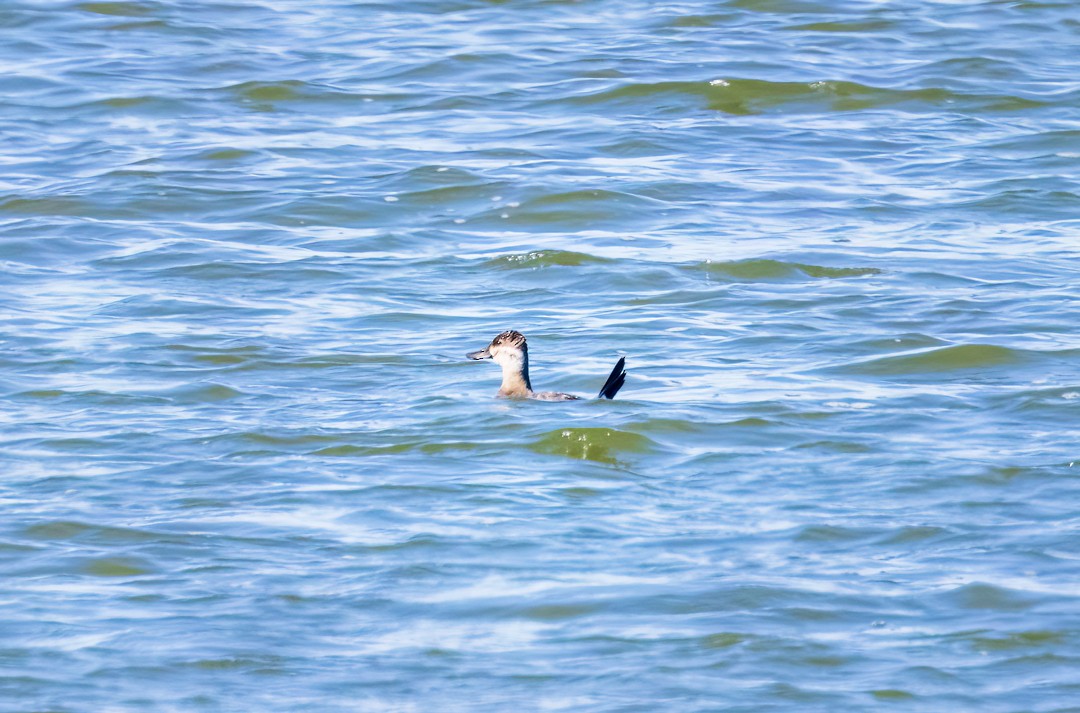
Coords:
pixel 245 466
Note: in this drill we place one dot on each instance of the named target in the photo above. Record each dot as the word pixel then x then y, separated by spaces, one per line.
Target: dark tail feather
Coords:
pixel 614 381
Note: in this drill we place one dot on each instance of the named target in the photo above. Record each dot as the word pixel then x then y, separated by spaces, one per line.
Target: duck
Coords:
pixel 511 352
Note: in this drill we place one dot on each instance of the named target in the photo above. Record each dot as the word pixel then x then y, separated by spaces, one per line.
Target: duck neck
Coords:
pixel 515 377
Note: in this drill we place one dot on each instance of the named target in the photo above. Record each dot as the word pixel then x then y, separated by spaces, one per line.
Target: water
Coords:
pixel 246 246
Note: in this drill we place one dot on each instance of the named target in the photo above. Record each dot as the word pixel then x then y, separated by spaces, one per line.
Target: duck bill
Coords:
pixel 484 353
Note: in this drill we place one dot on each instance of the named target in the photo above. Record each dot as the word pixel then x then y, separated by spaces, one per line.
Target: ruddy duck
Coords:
pixel 510 351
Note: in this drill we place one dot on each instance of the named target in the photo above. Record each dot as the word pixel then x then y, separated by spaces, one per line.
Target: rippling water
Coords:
pixel 245 463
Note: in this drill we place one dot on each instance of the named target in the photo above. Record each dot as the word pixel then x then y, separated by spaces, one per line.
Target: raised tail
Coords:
pixel 614 381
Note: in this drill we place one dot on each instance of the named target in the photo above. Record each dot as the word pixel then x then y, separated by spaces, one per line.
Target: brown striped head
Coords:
pixel 507 347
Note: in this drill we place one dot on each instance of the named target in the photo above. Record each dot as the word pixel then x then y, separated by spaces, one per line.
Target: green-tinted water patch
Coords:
pixel 56 205
pixel 836 446
pixel 667 426
pixel 945 359
pixel 348 450
pixel 743 97
pixel 768 270
pixel 581 493
pixel 257 665
pixel 557 612
pixel 221 270
pixel 1020 641
pixel 843 27
pixel 697 20
pixel 116 567
pixel 74 531
pixel 274 441
pixel 117 9
pixel 723 640
pixel 914 533
pixel 1004 475
pixel 603 445
pixel 127 103
pixel 783 7
pixel 221 359
pixel 575 209
pixel 901 342
pixel 42 394
pixel 228 155
pixel 544 258
pixel 270 91
pixel 204 393
pixel 74 444
pixel 990 597
pixel 469 193
pixel 833 533
pixel 138 25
